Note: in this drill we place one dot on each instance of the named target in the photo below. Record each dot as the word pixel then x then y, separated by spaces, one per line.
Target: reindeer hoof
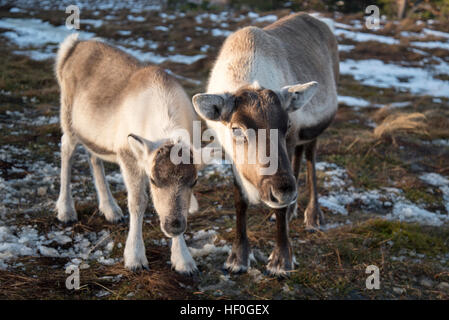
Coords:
pixel 135 262
pixel 280 263
pixel 238 260
pixel 313 218
pixel 138 268
pixel 112 213
pixel 66 211
pixel 186 268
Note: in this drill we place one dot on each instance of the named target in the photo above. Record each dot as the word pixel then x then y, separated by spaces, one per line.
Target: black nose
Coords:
pixel 175 226
pixel 281 191
pixel 283 195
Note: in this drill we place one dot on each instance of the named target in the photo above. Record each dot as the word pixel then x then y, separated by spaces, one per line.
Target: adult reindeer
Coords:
pixel 124 112
pixel 282 77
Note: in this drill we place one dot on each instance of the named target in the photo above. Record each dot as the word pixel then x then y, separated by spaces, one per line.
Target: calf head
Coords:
pixel 171 184
pixel 244 114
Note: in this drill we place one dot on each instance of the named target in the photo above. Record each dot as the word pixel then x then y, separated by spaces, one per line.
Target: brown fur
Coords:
pixel 165 173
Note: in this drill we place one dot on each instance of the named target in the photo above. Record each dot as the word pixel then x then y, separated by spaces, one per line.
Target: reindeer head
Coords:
pixel 243 115
pixel 171 184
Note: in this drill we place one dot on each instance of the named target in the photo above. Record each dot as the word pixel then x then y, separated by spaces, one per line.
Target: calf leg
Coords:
pixel 296 159
pixel 107 204
pixel 238 260
pixel 181 259
pixel 65 205
pixel 280 260
pixel 136 185
pixel 313 217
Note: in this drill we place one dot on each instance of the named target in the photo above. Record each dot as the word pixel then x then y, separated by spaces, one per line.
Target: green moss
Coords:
pixel 403 235
pixel 420 196
pixel 365 167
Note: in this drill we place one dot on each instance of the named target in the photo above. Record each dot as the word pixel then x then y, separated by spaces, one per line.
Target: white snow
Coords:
pixel 161 28
pixel 436 33
pixel 353 101
pixel 345 47
pixel 363 37
pixel 341 194
pixel 435 179
pixel 203 234
pixel 268 18
pixel 409 212
pixel 35 32
pixel 376 73
pixel 441 142
pixel 438 180
pixel 124 32
pixel 27 241
pixel 157 59
pixel 220 33
pixel 37 39
pixel 92 22
pixel 209 249
pixel 136 19
pixel 431 45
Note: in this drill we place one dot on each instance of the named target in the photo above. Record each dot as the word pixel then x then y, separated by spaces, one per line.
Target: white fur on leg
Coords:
pixel 111 211
pixel 181 259
pixel 64 205
pixel 135 258
pixel 66 209
pixel 108 206
pixel 193 204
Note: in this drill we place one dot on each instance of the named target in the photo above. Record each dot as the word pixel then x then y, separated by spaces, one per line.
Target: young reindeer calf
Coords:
pixel 124 112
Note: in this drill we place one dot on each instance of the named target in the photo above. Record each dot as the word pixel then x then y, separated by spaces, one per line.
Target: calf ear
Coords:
pixel 296 96
pixel 139 146
pixel 210 106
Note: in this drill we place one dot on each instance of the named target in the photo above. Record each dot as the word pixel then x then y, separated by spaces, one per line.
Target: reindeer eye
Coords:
pixel 194 183
pixel 152 181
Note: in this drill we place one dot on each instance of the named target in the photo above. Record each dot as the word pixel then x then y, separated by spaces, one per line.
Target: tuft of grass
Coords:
pixel 401 122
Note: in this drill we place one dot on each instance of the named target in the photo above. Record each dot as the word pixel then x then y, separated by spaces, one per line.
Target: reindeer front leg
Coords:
pixel 238 260
pixel 295 159
pixel 313 217
pixel 135 181
pixel 280 260
pixel 181 259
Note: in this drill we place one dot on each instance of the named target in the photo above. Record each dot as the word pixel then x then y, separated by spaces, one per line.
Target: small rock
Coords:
pixel 443 286
pixel 426 282
pixel 41 191
pixel 102 293
pixel 287 289
pixel 398 290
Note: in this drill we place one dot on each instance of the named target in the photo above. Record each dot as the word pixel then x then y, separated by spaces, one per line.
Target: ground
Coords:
pixel 383 169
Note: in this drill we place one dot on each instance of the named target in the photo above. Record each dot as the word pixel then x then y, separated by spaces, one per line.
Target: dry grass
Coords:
pixel 401 122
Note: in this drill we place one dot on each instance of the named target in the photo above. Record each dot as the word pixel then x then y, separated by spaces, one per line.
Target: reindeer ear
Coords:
pixel 210 106
pixel 296 96
pixel 139 146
